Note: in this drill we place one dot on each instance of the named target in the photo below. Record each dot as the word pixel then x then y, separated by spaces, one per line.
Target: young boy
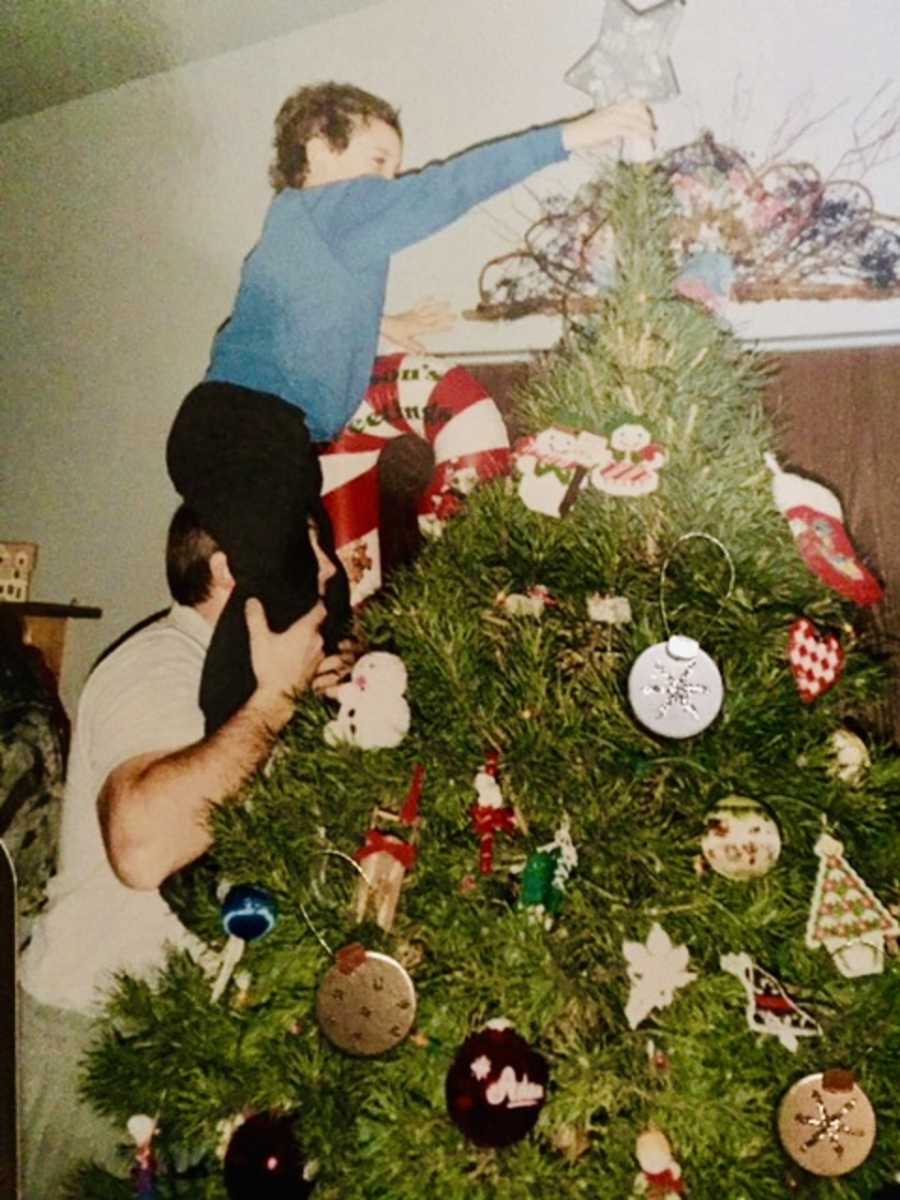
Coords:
pixel 291 365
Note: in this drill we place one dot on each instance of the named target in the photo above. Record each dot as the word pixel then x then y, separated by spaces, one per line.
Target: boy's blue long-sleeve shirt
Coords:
pixel 306 319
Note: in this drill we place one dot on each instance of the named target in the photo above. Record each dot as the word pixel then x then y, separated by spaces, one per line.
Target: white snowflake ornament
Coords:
pixel 656 970
pixel 675 689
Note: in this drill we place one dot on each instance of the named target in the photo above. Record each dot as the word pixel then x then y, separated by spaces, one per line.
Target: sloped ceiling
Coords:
pixel 57 50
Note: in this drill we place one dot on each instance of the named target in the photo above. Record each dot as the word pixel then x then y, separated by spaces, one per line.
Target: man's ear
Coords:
pixel 220 570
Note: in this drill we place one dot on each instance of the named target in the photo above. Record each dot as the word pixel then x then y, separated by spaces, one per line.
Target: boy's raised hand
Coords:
pixel 407 328
pixel 630 119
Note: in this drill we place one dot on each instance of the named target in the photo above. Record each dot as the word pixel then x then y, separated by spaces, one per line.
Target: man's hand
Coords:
pixel 407 328
pixel 334 669
pixel 283 663
pixel 631 119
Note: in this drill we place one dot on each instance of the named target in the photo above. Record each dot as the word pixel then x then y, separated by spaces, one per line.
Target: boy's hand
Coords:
pixel 406 329
pixel 283 663
pixel 631 119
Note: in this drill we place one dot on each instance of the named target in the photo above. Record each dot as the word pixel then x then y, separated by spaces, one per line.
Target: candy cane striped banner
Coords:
pixel 442 404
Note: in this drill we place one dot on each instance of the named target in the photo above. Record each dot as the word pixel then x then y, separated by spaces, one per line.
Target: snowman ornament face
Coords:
pixel 675 689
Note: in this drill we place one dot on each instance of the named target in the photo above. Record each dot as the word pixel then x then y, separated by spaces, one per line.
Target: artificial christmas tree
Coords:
pixel 545 695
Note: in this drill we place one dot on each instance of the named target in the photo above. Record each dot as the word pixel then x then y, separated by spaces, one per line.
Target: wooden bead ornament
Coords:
pixel 385 858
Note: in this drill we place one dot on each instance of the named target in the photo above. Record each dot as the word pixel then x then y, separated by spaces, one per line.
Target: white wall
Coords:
pixel 127 215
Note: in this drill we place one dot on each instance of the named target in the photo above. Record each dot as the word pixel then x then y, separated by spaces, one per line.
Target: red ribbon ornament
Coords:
pixel 487 822
pixel 662 1182
pixel 385 843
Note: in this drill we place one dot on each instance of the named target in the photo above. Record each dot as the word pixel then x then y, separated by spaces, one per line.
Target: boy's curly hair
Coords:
pixel 329 110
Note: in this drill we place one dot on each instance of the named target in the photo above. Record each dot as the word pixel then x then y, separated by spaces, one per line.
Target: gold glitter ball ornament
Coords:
pixel 366 1004
pixel 826 1123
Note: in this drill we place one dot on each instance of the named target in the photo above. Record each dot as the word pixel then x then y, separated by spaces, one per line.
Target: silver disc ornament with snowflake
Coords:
pixel 675 689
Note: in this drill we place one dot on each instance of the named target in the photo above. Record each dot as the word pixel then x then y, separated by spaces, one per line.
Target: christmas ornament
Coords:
pixel 656 969
pixel 674 687
pixel 851 758
pixel 770 1009
pixel 826 1123
pixel 629 60
pixel 496 1086
pixel 817 662
pixel 816 520
pixel 845 915
pixel 531 604
pixel 634 463
pixel 551 467
pixel 366 1004
pixel 141 1129
pixel 490 815
pixel 264 1162
pixel 385 858
pixel 248 913
pixel 741 840
pixel 447 409
pixel 546 874
pixel 608 610
pixel 374 712
pixel 660 1177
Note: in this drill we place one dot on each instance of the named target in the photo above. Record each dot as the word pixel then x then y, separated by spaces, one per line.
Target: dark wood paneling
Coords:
pixel 838 416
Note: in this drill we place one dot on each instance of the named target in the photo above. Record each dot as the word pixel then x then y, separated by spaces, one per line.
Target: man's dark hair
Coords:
pixel 188 550
pixel 329 110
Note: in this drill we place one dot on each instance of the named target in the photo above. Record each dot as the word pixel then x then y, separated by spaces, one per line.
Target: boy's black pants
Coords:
pixel 244 462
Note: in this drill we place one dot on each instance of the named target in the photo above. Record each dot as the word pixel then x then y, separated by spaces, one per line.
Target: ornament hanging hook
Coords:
pixel 306 917
pixel 687 537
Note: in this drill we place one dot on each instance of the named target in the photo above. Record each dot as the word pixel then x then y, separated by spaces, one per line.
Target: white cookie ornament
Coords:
pixel 769 1008
pixel 845 916
pixel 374 713
pixel 656 969
pixel 634 465
pixel 552 466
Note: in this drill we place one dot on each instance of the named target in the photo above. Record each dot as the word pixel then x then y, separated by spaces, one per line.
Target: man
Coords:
pixel 143 779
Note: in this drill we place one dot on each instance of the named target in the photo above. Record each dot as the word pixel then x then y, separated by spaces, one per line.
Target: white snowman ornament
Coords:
pixel 551 467
pixel 374 713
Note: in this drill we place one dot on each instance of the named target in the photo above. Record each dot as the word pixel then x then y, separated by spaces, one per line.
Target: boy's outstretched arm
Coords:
pixel 630 119
pixel 368 218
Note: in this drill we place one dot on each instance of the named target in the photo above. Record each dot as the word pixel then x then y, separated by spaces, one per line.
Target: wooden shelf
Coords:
pixel 38 608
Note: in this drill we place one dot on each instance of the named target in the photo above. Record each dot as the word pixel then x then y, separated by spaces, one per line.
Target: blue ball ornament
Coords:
pixel 248 912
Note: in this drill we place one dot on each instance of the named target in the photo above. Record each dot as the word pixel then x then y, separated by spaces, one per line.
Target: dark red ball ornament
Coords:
pixel 496 1086
pixel 264 1162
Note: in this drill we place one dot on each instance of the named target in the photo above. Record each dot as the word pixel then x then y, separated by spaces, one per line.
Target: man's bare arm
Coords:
pixel 154 808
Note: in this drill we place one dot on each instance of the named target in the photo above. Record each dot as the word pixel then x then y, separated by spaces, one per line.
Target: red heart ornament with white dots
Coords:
pixel 817 661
